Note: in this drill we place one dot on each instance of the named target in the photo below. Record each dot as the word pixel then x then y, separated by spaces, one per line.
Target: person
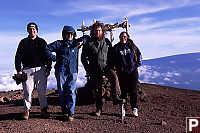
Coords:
pixel 31 55
pixel 94 59
pixel 126 58
pixel 66 69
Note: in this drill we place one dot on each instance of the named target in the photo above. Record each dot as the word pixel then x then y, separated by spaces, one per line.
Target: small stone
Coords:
pixel 2 99
pixel 163 123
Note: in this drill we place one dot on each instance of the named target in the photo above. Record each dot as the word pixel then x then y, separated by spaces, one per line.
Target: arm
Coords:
pixel 48 62
pixel 81 41
pixel 136 52
pixel 52 47
pixel 139 55
pixel 84 57
pixel 18 58
pixel 110 58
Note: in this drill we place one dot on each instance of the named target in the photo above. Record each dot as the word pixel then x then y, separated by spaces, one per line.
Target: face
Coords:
pixel 69 36
pixel 123 38
pixel 98 32
pixel 32 31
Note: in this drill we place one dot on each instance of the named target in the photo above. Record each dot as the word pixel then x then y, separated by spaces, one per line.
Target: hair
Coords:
pixel 123 33
pixel 32 23
pixel 132 46
pixel 96 25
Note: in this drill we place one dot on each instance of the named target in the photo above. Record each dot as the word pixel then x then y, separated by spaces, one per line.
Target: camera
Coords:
pixel 19 78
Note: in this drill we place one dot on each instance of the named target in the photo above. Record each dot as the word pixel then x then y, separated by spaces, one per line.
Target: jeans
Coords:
pixel 37 79
pixel 66 83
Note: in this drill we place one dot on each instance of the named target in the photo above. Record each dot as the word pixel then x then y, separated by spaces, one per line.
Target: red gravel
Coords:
pixel 164 112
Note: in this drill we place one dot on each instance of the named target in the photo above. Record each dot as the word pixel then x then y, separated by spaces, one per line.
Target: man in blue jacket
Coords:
pixel 66 69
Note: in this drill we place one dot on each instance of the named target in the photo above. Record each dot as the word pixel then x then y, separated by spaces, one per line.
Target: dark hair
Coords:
pixel 96 25
pixel 125 33
pixel 32 23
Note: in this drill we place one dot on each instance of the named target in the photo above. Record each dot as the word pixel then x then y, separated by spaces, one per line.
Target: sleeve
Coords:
pixel 139 55
pixel 18 57
pixel 110 58
pixel 48 61
pixel 52 47
pixel 84 57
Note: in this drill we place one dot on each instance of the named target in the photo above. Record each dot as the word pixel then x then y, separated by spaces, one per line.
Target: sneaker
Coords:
pixel 71 117
pixel 135 112
pixel 44 113
pixel 26 115
pixel 98 112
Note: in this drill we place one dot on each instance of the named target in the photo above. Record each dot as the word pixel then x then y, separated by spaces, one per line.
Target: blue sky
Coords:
pixel 158 27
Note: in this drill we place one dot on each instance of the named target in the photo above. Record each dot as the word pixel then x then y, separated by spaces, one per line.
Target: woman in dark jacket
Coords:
pixel 126 59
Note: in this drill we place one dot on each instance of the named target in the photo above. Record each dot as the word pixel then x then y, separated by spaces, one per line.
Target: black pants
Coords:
pixel 96 81
pixel 128 83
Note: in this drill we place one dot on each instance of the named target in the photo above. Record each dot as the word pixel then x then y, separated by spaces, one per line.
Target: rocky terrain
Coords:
pixel 163 111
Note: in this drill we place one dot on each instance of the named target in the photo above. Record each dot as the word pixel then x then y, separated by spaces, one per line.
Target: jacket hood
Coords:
pixel 67 29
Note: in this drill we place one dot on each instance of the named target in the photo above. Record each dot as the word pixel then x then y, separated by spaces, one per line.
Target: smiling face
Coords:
pixel 123 38
pixel 32 31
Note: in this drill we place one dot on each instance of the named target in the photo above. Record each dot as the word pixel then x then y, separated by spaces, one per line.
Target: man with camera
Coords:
pixel 33 68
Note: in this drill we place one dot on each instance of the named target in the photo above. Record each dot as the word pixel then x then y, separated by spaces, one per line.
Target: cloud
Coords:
pixel 172 22
pixel 10 38
pixel 8 84
pixel 166 79
pixel 172 62
pixel 120 8
pixel 198 70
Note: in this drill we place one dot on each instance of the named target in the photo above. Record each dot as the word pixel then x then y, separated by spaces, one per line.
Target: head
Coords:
pixel 124 36
pixel 68 33
pixel 32 29
pixel 98 30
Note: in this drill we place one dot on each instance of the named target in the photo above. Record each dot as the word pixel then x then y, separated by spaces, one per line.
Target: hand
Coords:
pixel 19 73
pixel 79 43
pixel 47 72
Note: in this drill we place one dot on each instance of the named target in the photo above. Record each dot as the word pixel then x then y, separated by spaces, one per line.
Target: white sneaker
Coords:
pixel 135 112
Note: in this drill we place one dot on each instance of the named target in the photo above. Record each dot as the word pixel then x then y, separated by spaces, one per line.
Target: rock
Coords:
pixel 163 123
pixel 4 99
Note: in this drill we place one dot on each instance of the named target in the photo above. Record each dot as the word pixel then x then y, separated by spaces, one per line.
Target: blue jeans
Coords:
pixel 66 84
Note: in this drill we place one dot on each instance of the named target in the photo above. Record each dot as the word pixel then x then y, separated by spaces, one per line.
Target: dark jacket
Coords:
pixel 31 53
pixel 66 56
pixel 125 57
pixel 94 55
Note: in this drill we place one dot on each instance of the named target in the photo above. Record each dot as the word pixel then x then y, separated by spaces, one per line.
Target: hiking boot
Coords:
pixel 71 117
pixel 44 113
pixel 26 115
pixel 135 112
pixel 98 112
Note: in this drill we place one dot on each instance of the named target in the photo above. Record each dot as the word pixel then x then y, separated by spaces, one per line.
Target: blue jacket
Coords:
pixel 66 56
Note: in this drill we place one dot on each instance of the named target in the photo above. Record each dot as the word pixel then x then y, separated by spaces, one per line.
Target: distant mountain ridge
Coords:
pixel 181 71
